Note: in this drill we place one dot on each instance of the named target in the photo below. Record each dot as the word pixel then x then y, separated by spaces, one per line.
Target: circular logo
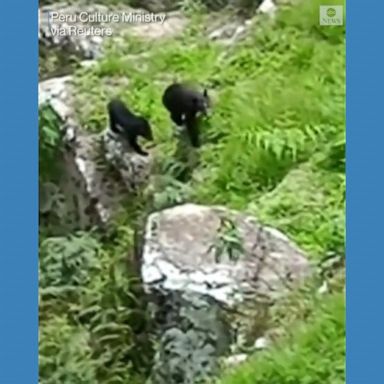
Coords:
pixel 331 12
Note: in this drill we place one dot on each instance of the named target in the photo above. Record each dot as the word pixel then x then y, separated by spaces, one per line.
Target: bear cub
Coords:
pixel 130 126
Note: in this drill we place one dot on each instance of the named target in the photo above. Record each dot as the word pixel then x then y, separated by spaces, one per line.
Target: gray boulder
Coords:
pixel 211 274
pixel 98 174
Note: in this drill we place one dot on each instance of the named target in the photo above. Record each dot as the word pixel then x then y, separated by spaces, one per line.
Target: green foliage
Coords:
pixel 278 103
pixel 65 355
pixel 274 146
pixel 333 158
pixel 310 205
pixel 313 352
pixel 49 143
pixel 68 262
pixel 278 100
pixel 93 326
pixel 115 319
pixel 170 192
pixel 228 241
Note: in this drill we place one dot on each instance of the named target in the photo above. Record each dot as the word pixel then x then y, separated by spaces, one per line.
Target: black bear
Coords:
pixel 123 122
pixel 184 105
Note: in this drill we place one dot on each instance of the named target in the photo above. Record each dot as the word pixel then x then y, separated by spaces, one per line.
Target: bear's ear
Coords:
pixel 205 93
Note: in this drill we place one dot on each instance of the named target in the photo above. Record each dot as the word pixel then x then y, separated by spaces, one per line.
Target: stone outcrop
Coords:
pixel 92 192
pixel 211 275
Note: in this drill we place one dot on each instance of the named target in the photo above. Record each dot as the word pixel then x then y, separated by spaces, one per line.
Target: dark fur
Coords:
pixel 184 104
pixel 123 122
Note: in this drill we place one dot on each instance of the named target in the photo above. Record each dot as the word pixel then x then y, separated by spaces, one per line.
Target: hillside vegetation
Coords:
pixel 274 146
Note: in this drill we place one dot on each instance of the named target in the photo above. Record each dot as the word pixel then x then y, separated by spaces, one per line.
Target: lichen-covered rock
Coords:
pixel 56 93
pixel 133 168
pixel 194 336
pixel 267 7
pixel 234 360
pixel 86 180
pixel 228 33
pixel 211 273
pixel 93 189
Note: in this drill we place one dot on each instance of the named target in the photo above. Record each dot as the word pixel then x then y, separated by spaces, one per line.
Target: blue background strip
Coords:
pixel 365 192
pixel 19 192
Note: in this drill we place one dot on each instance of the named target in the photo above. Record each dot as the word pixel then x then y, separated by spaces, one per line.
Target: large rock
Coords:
pixel 211 274
pixel 99 173
pixel 133 169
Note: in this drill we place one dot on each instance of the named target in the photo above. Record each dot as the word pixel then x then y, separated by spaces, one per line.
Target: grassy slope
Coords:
pixel 314 352
pixel 279 102
pixel 274 147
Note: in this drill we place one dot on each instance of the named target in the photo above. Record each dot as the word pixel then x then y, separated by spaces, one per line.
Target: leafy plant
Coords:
pixel 228 242
pixel 68 261
pixel 49 143
pixel 65 354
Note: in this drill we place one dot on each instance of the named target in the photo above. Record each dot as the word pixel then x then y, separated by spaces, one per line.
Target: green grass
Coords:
pixel 92 322
pixel 275 147
pixel 313 353
pixel 278 103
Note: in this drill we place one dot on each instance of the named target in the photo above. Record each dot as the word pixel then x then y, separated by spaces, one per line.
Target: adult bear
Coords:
pixel 184 105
